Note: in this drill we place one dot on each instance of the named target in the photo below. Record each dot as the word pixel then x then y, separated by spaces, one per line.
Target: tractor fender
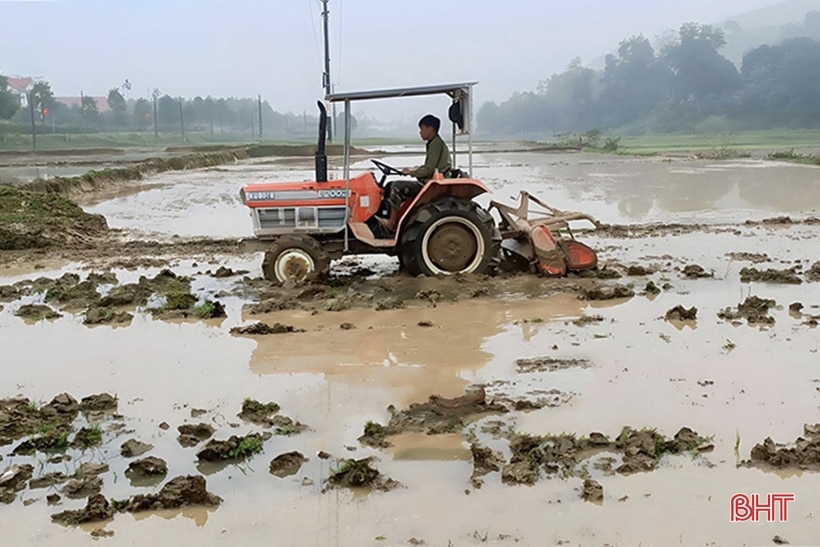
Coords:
pixel 465 189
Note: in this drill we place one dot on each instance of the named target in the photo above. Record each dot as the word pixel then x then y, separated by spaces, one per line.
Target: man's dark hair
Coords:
pixel 430 121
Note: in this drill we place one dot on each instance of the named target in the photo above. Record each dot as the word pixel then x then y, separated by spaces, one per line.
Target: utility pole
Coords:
pixel 326 75
pixel 33 127
pixel 155 94
pixel 259 99
pixel 181 121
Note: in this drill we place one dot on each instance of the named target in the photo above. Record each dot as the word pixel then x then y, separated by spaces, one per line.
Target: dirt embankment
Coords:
pixel 35 220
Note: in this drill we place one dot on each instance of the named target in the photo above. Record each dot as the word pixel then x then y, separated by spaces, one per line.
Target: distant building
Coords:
pixel 71 102
pixel 20 86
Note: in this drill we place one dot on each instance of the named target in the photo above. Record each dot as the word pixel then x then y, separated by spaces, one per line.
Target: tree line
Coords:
pixel 171 114
pixel 683 84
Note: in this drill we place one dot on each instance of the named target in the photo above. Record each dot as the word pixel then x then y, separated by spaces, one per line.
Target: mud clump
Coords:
pixel 813 273
pixel 133 448
pixel 374 436
pixel 183 491
pixel 638 271
pixel 105 316
pixel 754 258
pixel 82 487
pixel 360 474
pixel 287 464
pixel 20 418
pixel 804 455
pixel 33 220
pixel 606 293
pixel 439 415
pixel 263 329
pixel 235 448
pixel 651 288
pixel 12 480
pixel 789 277
pixel 48 480
pixel 549 364
pixel 103 402
pixel 390 304
pixel 146 468
pixel 754 309
pixel 485 461
pixel 593 492
pixel 258 413
pixel 96 509
pixel 561 454
pixel 588 320
pixel 223 272
pixel 193 434
pixel 37 312
pixel 695 271
pixel 265 415
pixel 679 313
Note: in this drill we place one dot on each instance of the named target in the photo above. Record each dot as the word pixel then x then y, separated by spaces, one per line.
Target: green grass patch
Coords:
pixel 250 445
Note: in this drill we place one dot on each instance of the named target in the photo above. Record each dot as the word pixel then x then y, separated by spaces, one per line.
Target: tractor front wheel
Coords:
pixel 451 236
pixel 294 258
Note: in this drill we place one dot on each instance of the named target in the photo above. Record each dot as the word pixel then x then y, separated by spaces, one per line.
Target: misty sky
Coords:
pixel 273 47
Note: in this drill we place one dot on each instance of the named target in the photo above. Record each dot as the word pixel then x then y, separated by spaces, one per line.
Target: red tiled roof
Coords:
pixel 20 85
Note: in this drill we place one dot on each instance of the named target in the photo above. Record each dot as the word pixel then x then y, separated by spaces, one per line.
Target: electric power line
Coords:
pixel 315 36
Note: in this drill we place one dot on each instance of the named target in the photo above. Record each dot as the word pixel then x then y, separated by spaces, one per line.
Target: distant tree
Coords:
pixel 9 102
pixel 143 110
pixel 90 113
pixel 42 96
pixel 633 83
pixel 118 106
pixel 167 111
pixel 700 71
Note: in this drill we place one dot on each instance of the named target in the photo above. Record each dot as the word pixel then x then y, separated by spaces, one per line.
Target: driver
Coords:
pixel 437 158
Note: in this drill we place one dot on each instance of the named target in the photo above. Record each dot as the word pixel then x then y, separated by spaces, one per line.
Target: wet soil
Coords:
pixel 754 310
pixel 338 379
pixel 262 329
pixel 183 491
pixel 748 275
pixel 191 435
pixel 803 454
pixel 133 448
pixel 441 415
pixel 679 313
pixel 549 364
pixel 97 509
pixel 146 468
pixel 287 464
pixel 592 492
pixel 352 473
pixel 235 448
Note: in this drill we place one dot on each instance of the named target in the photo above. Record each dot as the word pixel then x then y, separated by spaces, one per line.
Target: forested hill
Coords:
pixel 684 83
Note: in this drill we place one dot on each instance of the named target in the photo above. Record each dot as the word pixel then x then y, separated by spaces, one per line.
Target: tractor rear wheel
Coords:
pixel 295 258
pixel 451 236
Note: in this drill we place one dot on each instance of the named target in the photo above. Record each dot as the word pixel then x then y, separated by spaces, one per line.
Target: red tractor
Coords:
pixel 303 226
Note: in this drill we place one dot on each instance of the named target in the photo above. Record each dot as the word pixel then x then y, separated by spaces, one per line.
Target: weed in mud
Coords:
pixel 249 446
pixel 178 296
pixel 372 429
pixel 92 437
pixel 210 309
pixel 285 431
pixel 119 506
pixel 651 288
pixel 252 406
pixel 354 473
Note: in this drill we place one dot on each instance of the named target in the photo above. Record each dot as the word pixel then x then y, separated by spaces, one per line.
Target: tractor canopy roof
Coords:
pixel 455 91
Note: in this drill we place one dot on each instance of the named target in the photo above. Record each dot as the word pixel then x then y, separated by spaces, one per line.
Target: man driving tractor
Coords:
pixel 437 159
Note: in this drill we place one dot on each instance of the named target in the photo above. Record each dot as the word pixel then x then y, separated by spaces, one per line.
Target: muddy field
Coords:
pixel 156 390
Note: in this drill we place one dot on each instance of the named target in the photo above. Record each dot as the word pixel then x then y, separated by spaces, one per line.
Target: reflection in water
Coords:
pixel 390 349
pixel 197 514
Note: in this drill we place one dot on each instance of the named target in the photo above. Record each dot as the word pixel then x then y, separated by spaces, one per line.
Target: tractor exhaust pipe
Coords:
pixel 321 156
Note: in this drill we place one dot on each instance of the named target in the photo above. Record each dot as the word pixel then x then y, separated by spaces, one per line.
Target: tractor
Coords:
pixel 302 226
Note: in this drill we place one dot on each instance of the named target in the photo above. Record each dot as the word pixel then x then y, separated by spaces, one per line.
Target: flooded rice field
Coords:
pixel 626 407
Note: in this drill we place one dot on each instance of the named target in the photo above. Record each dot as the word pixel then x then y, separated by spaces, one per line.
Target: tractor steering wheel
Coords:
pixel 386 170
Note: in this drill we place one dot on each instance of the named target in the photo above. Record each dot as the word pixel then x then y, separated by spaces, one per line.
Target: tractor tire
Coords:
pixel 295 258
pixel 451 236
